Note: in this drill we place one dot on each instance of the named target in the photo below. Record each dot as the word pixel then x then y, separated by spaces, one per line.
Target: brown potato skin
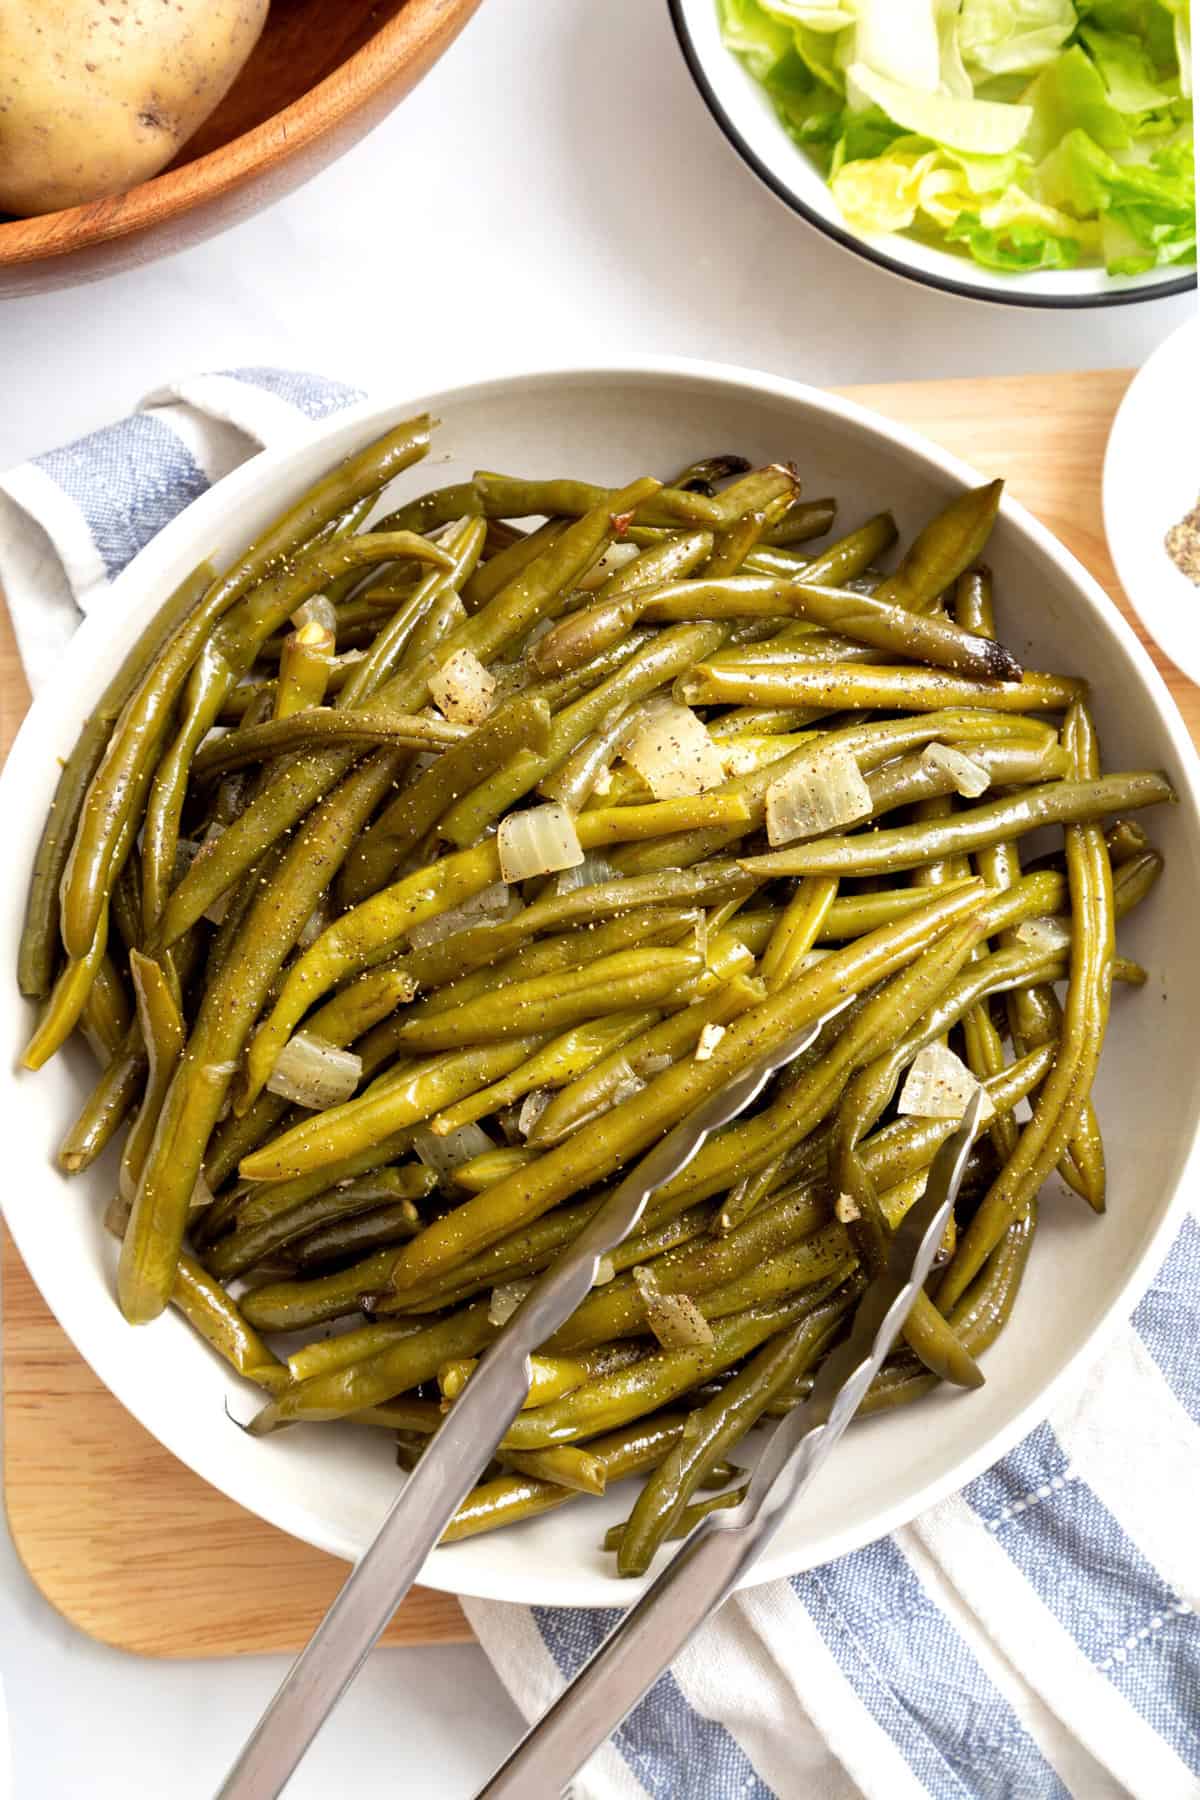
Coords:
pixel 97 95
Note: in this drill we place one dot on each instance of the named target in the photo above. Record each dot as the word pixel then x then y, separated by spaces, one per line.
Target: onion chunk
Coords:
pixel 463 689
pixel 539 841
pixel 939 1085
pixel 970 778
pixel 675 1320
pixel 820 795
pixel 445 1154
pixel 312 1072
pixel 673 753
pixel 493 899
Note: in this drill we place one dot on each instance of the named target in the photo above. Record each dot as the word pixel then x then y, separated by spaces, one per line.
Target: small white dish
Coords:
pixel 744 112
pixel 332 1484
pixel 1151 481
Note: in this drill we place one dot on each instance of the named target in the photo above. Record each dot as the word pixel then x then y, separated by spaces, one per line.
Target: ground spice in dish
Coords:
pixel 1183 545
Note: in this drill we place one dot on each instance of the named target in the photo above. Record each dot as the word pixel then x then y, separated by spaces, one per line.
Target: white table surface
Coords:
pixel 555 187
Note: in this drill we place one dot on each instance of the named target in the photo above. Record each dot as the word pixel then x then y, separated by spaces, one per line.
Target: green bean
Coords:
pixel 615 984
pixel 350 1238
pixel 519 726
pixel 439 507
pixel 947 546
pixel 68 998
pixel 922 637
pixel 671 560
pixel 907 847
pixel 597 1149
pixel 209 1310
pixel 39 938
pixel 509 497
pixel 480 946
pixel 327 1137
pixel 231 1001
pixel 798 928
pixel 690 1517
pixel 246 1248
pixel 560 1061
pixel 885 687
pixel 629 1451
pixel 493 575
pixel 310 730
pixel 107 1014
pixel 304 665
pixel 162 1033
pixel 109 1104
pixel 671 1038
pixel 1085 1015
pixel 614 1400
pixel 714 1430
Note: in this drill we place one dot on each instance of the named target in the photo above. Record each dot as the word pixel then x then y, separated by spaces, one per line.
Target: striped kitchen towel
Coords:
pixel 1034 1637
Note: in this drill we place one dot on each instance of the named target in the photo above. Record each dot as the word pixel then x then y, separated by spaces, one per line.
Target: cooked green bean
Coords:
pixel 39 939
pixel 508 1047
pixel 715 1429
pixel 908 847
pixel 1085 1017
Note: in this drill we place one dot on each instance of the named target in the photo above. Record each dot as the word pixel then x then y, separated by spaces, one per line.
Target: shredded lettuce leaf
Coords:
pixel 1026 134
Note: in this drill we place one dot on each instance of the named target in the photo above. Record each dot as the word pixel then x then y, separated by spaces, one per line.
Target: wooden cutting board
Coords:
pixel 122 1538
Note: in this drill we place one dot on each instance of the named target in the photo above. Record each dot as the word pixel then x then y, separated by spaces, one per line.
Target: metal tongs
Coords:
pixel 604 1691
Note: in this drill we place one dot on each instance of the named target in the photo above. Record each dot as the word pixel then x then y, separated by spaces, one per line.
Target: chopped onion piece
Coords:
pixel 606 1271
pixel 939 1085
pixel 676 1321
pixel 818 796
pixel 313 1072
pixel 317 611
pixel 847 1209
pixel 710 1037
pixel 591 870
pixel 315 924
pixel 494 899
pixel 655 1064
pixel 539 841
pixel 970 778
pixel 444 1154
pixel 532 1108
pixel 202 1194
pixel 606 564
pixel 1051 935
pixel 463 689
pixel 506 1298
pixel 673 753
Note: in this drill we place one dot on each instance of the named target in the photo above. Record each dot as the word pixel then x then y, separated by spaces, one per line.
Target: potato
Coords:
pixel 97 95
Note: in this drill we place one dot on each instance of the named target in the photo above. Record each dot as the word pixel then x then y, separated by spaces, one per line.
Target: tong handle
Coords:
pixel 702 1574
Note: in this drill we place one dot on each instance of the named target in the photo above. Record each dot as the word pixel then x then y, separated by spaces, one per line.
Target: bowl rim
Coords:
pixel 992 292
pixel 178 189
pixel 298 1516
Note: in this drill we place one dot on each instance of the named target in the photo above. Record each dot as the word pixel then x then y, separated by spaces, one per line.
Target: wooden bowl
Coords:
pixel 322 74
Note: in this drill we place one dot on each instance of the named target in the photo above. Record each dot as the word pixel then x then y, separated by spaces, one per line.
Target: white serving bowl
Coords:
pixel 743 110
pixel 331 1485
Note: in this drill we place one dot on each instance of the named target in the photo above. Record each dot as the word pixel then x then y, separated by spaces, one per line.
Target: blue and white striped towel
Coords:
pixel 1035 1637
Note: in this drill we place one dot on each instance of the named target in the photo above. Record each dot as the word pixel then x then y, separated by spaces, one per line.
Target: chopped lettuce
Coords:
pixel 1026 134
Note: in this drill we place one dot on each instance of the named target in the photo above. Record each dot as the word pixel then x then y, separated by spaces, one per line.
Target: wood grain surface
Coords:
pixel 123 1539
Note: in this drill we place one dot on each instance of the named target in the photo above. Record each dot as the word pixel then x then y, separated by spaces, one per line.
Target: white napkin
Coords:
pixel 1032 1638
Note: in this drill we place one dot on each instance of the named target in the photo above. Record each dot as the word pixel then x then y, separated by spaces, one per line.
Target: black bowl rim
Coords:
pixel 997 295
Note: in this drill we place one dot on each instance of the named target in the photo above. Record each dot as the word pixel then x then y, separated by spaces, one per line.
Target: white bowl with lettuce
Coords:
pixel 1038 152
